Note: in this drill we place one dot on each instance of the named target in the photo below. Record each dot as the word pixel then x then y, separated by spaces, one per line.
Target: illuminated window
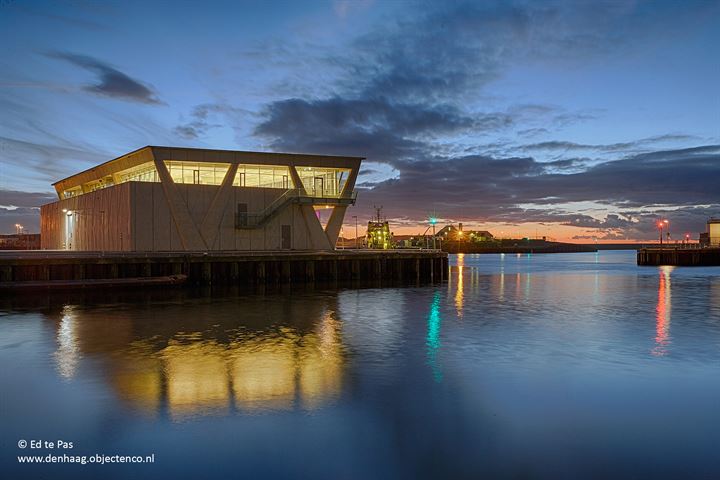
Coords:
pixel 72 192
pixel 323 182
pixel 199 173
pixel 141 173
pixel 145 172
pixel 263 176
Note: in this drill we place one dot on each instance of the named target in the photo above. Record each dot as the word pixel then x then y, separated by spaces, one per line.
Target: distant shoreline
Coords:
pixel 536 246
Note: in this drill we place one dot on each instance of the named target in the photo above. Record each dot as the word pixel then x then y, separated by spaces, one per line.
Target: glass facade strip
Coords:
pixel 263 176
pixel 145 172
pixel 317 181
pixel 142 173
pixel 72 192
pixel 199 173
pixel 323 182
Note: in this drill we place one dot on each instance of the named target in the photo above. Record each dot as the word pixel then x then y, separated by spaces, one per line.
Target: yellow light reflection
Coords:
pixel 194 373
pixel 502 277
pixel 197 376
pixel 141 378
pixel 263 373
pixel 272 371
pixel 321 364
pixel 662 312
pixel 459 292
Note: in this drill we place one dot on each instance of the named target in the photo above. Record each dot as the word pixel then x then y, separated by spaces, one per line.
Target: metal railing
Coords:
pixel 249 220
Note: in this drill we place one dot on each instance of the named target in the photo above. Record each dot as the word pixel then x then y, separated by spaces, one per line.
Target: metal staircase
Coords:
pixel 293 196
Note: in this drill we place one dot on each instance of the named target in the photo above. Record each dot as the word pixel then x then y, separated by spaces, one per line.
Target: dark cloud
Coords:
pixel 533 132
pixel 642 224
pixel 489 189
pixel 199 125
pixel 207 116
pixel 13 198
pixel 110 82
pixel 410 82
pixel 642 143
pixel 44 163
pixel 405 119
pixel 452 50
pixel 410 98
pixel 371 128
pixel 376 128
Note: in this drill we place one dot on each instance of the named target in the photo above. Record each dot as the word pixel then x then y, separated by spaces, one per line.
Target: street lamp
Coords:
pixel 433 221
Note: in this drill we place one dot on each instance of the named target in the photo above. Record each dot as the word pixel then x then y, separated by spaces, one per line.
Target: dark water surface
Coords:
pixel 543 366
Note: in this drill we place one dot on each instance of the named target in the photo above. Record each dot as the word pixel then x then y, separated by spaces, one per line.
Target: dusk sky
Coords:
pixel 576 120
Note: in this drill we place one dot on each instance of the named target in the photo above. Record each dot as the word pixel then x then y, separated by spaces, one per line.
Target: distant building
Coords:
pixel 409 241
pixel 458 234
pixel 22 241
pixel 187 199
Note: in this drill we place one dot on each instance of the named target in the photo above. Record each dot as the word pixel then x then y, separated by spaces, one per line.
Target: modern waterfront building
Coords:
pixel 188 199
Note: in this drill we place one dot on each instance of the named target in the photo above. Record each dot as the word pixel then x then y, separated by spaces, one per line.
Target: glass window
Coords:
pixel 323 182
pixel 264 176
pixel 72 192
pixel 145 172
pixel 199 173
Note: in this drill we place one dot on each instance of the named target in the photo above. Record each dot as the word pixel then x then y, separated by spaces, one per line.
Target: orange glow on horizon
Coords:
pixel 554 232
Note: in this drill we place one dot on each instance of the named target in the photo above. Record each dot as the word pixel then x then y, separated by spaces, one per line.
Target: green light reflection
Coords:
pixel 433 337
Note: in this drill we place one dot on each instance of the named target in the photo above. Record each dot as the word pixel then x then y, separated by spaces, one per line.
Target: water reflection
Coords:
pixel 432 340
pixel 164 362
pixel 67 355
pixel 396 386
pixel 459 292
pixel 662 311
pixel 501 294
